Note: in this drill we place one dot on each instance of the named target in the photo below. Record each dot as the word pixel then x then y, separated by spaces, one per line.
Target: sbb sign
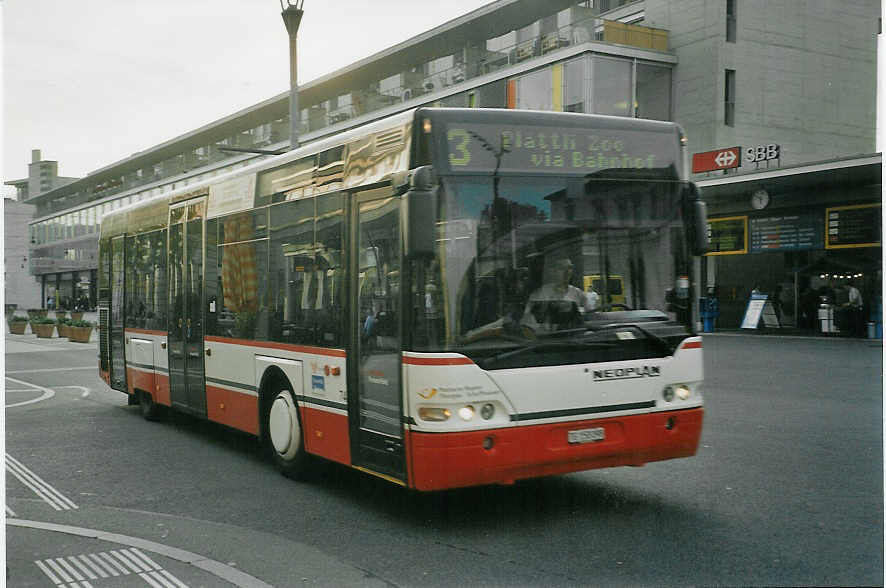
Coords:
pixel 733 157
pixel 717 159
pixel 762 153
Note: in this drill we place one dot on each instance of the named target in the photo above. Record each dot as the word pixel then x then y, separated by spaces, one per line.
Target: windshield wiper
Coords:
pixel 660 342
pixel 545 346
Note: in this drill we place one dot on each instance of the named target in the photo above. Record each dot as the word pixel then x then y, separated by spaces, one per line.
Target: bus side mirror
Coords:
pixel 698 212
pixel 421 202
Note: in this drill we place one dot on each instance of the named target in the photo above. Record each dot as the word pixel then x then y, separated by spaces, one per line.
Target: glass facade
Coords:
pixel 64 238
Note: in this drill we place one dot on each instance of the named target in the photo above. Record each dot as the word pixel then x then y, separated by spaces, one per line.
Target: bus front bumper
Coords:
pixel 502 456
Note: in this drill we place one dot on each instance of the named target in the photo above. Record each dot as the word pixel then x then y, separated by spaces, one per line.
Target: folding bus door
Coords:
pixel 375 399
pixel 116 333
pixel 186 369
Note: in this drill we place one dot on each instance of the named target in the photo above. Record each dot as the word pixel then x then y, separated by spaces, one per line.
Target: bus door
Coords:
pixel 374 389
pixel 116 333
pixel 186 382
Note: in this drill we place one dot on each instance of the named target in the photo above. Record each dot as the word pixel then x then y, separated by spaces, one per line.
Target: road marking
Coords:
pixel 9 512
pixel 216 568
pixel 85 367
pixel 62 573
pixel 47 393
pixel 50 495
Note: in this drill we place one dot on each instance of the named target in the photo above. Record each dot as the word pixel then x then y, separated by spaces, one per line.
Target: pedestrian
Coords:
pixel 854 306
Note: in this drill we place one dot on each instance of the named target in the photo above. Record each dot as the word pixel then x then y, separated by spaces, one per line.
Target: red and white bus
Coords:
pixel 406 298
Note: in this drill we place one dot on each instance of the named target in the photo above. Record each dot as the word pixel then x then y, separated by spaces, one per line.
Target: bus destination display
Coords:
pixel 521 148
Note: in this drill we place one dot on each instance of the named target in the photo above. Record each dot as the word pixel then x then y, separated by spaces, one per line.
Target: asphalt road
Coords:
pixel 787 489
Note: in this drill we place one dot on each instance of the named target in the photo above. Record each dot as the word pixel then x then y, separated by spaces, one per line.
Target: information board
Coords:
pixel 728 235
pixel 760 307
pixel 789 232
pixel 854 226
pixel 754 311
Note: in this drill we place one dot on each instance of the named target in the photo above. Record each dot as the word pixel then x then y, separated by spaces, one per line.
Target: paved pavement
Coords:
pixel 65 553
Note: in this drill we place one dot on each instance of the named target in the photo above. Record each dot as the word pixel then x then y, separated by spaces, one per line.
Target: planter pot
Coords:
pixel 64 331
pixel 43 331
pixel 79 334
pixel 60 314
pixel 32 314
pixel 77 316
pixel 18 327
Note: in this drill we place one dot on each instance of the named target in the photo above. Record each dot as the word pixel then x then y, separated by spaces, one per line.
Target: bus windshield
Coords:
pixel 542 270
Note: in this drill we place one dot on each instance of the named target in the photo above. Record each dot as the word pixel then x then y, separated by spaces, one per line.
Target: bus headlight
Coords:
pixel 680 391
pixel 466 412
pixel 431 413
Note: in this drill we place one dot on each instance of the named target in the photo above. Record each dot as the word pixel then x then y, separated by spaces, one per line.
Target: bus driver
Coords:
pixel 557 287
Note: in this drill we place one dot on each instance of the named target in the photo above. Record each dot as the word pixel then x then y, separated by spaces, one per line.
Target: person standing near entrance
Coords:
pixel 854 308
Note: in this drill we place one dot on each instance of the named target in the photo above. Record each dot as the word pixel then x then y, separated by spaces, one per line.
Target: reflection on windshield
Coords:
pixel 527 258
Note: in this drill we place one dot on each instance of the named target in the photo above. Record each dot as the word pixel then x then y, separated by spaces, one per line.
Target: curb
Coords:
pixel 216 568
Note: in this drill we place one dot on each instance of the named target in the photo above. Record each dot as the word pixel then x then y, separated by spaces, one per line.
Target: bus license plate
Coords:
pixel 587 435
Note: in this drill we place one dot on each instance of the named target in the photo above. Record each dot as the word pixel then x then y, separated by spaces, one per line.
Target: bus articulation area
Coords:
pixel 408 298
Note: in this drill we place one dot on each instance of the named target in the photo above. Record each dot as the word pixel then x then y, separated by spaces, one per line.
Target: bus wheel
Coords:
pixel 151 411
pixel 284 434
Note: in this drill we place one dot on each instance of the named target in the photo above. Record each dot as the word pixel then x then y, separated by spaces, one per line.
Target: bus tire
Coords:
pixel 283 431
pixel 151 411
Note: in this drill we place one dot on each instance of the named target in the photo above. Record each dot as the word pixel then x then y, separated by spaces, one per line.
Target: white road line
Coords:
pixel 85 367
pixel 70 569
pixel 58 570
pixel 125 559
pixel 151 581
pixel 10 512
pixel 82 568
pixel 48 572
pixel 113 562
pixel 47 393
pixel 103 565
pixel 178 583
pixel 145 559
pixel 142 564
pixel 92 565
pixel 50 495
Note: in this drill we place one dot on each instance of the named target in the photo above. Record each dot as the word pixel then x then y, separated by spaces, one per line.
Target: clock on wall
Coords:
pixel 760 199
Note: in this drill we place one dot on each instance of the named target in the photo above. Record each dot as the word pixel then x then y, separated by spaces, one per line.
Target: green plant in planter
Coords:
pixel 43 327
pixel 18 324
pixel 79 331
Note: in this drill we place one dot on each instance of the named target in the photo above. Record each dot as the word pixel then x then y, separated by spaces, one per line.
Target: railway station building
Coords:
pixel 777 97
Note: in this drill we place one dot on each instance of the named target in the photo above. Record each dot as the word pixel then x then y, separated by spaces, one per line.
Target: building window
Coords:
pixel 575 85
pixel 612 86
pixel 731 18
pixel 653 92
pixel 729 114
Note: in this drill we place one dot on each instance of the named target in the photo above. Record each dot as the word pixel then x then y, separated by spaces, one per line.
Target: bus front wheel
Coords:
pixel 284 434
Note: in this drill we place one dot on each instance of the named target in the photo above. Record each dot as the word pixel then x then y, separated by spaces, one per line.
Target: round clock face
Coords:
pixel 760 199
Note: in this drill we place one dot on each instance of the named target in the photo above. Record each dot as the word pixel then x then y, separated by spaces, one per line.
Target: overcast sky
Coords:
pixel 89 82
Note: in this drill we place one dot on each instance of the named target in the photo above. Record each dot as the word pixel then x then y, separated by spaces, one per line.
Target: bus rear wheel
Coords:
pixel 284 434
pixel 151 411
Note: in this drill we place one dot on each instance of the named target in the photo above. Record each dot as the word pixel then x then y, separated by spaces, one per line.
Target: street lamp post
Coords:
pixel 292 13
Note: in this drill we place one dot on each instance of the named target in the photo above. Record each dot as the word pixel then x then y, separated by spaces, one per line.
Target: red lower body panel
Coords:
pixel 326 434
pixel 233 409
pixel 452 460
pixel 157 385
